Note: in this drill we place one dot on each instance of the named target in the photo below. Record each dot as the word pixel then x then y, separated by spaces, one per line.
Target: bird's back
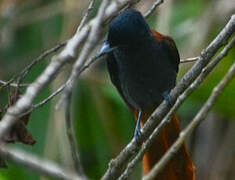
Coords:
pixel 139 73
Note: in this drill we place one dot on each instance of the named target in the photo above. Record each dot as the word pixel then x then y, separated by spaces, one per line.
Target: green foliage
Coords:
pixel 97 129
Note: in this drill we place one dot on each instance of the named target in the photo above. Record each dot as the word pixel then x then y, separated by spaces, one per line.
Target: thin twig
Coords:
pixel 152 9
pixel 61 88
pixel 91 42
pixel 179 101
pixel 66 98
pixel 187 60
pixel 85 17
pixel 201 115
pixel 69 121
pixel 72 139
pixel 117 165
pixel 69 53
pixel 26 70
pixel 147 15
pixel 58 91
pixel 42 103
pixel 4 83
pixel 90 62
pixel 34 163
pixel 22 75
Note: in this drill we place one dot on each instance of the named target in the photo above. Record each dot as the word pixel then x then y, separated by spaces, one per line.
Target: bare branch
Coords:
pixel 192 59
pixel 179 101
pixel 72 139
pixel 66 55
pixel 42 103
pixel 152 9
pixel 60 89
pixel 92 40
pixel 69 121
pixel 26 70
pixel 116 165
pixel 25 102
pixel 41 57
pixel 4 84
pixel 69 53
pixel 44 167
pixel 85 17
pixel 201 115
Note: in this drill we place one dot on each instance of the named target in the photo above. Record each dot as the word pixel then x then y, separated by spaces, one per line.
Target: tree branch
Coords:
pixel 91 42
pixel 72 139
pixel 117 165
pixel 44 167
pixel 187 60
pixel 152 9
pixel 58 61
pixel 180 100
pixel 4 84
pixel 59 90
pixel 85 17
pixel 201 115
pixel 68 54
pixel 26 70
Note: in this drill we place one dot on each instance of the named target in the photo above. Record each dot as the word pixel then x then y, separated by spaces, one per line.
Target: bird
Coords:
pixel 143 66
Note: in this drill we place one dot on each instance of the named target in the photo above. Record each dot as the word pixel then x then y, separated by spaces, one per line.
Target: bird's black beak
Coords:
pixel 105 49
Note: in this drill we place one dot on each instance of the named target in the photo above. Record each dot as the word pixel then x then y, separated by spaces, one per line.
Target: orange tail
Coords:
pixel 181 166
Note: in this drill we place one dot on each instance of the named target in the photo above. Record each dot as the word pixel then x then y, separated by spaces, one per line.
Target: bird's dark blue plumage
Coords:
pixel 140 66
pixel 143 65
pixel 127 27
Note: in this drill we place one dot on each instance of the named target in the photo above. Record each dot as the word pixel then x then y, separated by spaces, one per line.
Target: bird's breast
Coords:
pixel 139 78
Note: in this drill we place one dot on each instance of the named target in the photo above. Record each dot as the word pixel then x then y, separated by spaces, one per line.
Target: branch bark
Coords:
pixel 180 100
pixel 57 62
pixel 189 60
pixel 4 84
pixel 44 167
pixel 117 165
pixel 201 115
pixel 91 42
pixel 152 9
pixel 68 54
pixel 26 70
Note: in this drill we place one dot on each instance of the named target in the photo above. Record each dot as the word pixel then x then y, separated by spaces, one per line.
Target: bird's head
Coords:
pixel 128 29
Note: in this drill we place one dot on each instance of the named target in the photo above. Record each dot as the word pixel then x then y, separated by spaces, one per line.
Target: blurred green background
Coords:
pixel 103 123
